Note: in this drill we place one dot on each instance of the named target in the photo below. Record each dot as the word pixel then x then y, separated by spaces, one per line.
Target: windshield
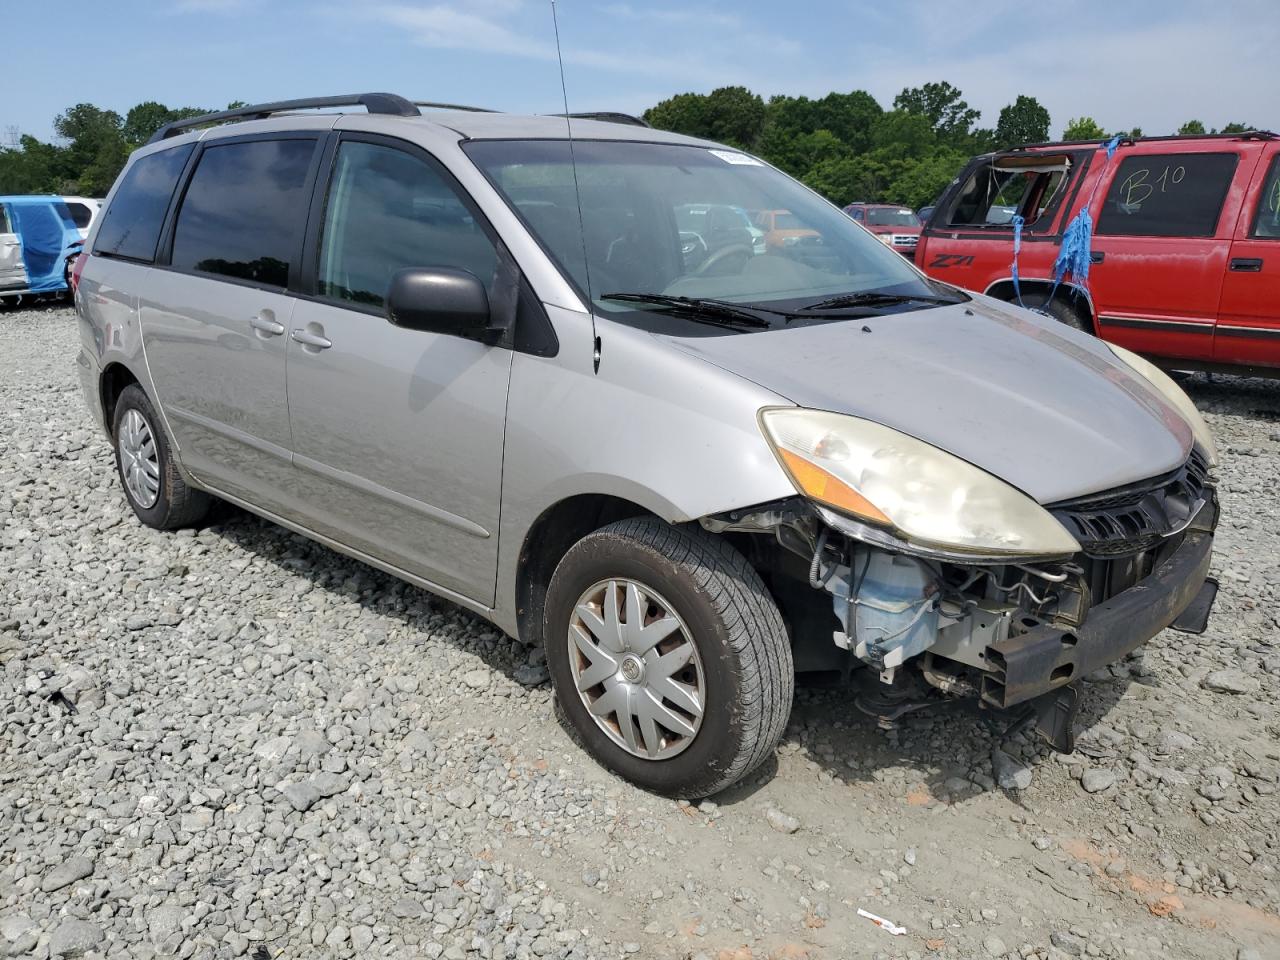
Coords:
pixel 676 220
pixel 891 217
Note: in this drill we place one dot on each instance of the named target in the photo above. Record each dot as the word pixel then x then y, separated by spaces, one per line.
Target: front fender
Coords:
pixel 655 426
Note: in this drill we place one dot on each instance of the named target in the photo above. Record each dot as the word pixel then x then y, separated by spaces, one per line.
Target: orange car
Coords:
pixel 782 229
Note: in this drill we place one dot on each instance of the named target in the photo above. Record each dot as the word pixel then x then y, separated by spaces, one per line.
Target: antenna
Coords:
pixel 573 165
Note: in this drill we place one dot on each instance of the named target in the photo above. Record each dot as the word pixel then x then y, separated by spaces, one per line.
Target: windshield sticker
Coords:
pixel 729 156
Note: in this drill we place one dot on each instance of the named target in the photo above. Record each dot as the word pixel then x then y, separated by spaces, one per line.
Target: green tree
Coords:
pixel 1238 128
pixel 949 115
pixel 1192 128
pixel 900 133
pixel 34 167
pixel 96 148
pixel 920 182
pixel 1083 128
pixel 146 118
pixel 732 115
pixel 1023 121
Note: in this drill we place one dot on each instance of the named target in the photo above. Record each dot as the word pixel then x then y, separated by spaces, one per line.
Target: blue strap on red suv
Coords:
pixel 1018 223
pixel 1076 250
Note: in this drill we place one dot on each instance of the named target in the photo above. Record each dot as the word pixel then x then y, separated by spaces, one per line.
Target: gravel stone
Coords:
pixel 1009 773
pixel 74 938
pixel 1097 779
pixel 1231 681
pixel 782 822
pixel 65 873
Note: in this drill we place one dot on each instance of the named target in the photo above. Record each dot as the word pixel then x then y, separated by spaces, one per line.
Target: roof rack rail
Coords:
pixel 1242 135
pixel 608 116
pixel 454 106
pixel 383 103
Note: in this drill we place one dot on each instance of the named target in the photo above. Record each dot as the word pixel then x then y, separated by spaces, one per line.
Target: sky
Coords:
pixel 1126 63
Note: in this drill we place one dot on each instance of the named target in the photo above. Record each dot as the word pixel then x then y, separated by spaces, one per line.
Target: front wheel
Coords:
pixel 1056 308
pixel 669 658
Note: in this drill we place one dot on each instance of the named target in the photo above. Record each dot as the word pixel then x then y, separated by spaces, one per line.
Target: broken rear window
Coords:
pixel 997 191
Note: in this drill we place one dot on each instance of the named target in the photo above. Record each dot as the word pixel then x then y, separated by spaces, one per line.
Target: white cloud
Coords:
pixel 452 28
pixel 626 11
pixel 498 27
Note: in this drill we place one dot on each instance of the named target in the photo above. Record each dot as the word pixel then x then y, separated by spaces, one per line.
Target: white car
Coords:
pixel 84 211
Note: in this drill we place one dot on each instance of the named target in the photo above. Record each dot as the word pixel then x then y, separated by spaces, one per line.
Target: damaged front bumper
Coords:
pixel 1031 662
pixel 1013 636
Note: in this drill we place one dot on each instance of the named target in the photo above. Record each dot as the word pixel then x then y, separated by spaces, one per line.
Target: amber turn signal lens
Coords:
pixel 822 486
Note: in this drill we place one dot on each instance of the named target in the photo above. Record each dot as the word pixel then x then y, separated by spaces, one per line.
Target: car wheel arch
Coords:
pixel 1073 295
pixel 112 381
pixel 549 538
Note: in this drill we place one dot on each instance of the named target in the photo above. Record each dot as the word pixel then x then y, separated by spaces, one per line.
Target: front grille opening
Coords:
pixel 1134 518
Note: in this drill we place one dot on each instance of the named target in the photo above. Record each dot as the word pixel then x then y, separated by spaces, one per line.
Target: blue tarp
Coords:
pixel 47 232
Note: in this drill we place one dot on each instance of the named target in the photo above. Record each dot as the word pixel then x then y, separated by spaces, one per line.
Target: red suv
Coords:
pixel 896 226
pixel 1185 252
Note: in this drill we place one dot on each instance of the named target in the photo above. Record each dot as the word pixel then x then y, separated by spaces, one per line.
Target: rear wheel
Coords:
pixel 1058 308
pixel 669 658
pixel 151 481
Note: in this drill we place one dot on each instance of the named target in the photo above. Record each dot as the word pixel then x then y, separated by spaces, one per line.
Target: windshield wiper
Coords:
pixel 716 312
pixel 875 300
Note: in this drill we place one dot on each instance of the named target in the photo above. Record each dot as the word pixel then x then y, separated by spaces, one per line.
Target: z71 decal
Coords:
pixel 952 260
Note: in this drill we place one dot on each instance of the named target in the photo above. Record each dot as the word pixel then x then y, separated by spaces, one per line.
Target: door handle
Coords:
pixel 264 324
pixel 1097 256
pixel 1246 264
pixel 309 339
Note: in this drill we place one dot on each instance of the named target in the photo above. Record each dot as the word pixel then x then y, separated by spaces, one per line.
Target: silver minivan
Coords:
pixel 479 351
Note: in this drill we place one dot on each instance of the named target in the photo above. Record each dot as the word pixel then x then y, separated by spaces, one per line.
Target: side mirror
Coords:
pixel 439 300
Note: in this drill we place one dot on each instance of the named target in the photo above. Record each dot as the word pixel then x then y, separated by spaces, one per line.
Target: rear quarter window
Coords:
pixel 80 214
pixel 4 220
pixel 1167 195
pixel 1266 222
pixel 131 223
pixel 244 211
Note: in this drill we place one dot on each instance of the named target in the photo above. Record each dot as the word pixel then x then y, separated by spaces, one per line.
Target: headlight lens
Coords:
pixel 927 496
pixel 1177 398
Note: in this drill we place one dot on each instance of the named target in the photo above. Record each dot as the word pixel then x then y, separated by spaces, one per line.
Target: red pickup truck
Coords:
pixel 1185 263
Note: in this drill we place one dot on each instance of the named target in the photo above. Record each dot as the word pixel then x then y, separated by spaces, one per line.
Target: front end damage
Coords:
pixel 1013 636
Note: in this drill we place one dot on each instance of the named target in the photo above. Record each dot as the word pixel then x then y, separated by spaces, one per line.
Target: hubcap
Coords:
pixel 636 668
pixel 139 461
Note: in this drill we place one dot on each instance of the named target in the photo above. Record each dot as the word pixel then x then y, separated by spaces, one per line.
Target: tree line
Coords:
pixel 848 147
pixel 844 145
pixel 91 149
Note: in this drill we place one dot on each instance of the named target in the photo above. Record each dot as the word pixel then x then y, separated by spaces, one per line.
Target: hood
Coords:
pixel 1045 408
pixel 886 228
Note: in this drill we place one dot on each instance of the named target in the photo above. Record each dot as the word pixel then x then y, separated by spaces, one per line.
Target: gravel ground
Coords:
pixel 235 743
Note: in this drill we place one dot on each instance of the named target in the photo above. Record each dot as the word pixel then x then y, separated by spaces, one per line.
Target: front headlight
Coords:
pixel 1176 396
pixel 925 495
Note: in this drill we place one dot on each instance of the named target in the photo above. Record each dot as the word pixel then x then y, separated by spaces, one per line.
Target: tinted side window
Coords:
pixel 131 224
pixel 80 214
pixel 1266 220
pixel 244 211
pixel 1167 195
pixel 4 220
pixel 388 210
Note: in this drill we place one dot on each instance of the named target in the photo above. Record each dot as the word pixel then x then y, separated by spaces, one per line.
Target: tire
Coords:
pixel 1058 308
pixel 741 660
pixel 175 504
